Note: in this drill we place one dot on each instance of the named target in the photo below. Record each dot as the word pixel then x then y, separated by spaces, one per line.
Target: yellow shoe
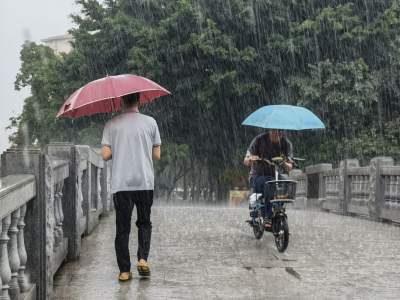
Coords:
pixel 143 268
pixel 125 276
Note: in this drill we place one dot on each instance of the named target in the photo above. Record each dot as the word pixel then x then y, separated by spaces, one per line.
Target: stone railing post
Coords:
pixel 315 184
pixel 5 270
pixel 84 183
pixel 22 280
pixel 15 192
pixel 30 161
pixel 301 188
pixel 69 213
pixel 81 195
pixel 13 255
pixel 104 189
pixel 376 185
pixel 1 282
pixel 56 172
pixel 95 205
pixel 49 221
pixel 344 188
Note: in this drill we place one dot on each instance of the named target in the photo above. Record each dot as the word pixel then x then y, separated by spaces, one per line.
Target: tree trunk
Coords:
pixel 210 189
pixel 169 193
pixel 198 184
pixel 185 188
pixel 222 192
pixel 193 180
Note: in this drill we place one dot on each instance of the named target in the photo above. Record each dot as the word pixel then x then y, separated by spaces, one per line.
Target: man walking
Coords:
pixel 132 141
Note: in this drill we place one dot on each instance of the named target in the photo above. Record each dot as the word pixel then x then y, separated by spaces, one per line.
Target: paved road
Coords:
pixel 210 253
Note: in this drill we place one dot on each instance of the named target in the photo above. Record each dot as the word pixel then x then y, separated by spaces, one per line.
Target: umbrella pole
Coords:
pixel 112 105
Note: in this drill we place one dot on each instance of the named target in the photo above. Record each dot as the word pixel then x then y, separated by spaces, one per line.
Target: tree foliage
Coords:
pixel 222 59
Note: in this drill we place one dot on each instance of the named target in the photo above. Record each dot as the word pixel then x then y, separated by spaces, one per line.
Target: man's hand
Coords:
pixel 106 153
pixel 156 153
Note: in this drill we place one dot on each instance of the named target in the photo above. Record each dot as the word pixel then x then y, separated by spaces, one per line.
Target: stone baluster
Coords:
pixel 84 189
pixel 80 198
pixel 56 230
pixel 99 202
pixel 1 282
pixel 13 255
pixel 376 199
pixel 386 190
pixel 330 184
pixel 22 280
pixel 392 190
pixel 326 186
pixel 357 188
pixel 5 271
pixel 60 210
pixel 397 191
pixel 334 183
pixel 108 180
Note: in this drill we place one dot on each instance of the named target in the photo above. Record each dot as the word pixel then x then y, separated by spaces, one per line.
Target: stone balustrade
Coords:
pixel 390 189
pixel 371 191
pixel 16 191
pixel 52 198
pixel 301 188
pixel 49 200
pixel 330 192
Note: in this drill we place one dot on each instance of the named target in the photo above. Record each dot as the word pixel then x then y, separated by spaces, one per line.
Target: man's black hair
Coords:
pixel 131 99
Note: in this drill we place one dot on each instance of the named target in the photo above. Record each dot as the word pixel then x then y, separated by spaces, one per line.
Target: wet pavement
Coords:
pixel 210 253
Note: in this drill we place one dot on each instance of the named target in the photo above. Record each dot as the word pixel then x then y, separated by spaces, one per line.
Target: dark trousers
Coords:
pixel 124 203
pixel 257 183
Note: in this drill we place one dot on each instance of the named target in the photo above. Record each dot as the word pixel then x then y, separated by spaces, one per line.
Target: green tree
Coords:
pixel 222 59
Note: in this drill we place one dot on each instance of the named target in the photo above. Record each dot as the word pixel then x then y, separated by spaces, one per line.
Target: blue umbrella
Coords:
pixel 286 117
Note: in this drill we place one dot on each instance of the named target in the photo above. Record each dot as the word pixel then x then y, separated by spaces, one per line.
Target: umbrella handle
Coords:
pixel 264 160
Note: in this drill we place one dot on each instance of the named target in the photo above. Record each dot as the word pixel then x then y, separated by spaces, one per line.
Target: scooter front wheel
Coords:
pixel 281 233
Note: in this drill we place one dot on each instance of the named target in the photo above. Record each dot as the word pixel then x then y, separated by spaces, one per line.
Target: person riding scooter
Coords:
pixel 267 145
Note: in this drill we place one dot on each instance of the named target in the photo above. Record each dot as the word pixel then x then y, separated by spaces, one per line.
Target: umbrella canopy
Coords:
pixel 104 95
pixel 286 117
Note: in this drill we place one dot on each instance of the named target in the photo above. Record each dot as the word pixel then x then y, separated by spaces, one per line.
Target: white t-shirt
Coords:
pixel 131 137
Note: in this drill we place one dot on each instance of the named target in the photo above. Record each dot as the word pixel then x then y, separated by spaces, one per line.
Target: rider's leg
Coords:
pixel 258 184
pixel 283 176
pixel 252 184
pixel 268 196
pixel 254 189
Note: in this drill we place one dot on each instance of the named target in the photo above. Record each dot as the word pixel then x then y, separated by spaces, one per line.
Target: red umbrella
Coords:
pixel 104 95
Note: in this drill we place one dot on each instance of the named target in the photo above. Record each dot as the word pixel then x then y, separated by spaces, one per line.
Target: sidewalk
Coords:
pixel 210 253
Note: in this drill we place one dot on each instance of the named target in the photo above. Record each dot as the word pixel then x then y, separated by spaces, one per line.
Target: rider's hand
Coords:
pixel 249 159
pixel 287 166
pixel 254 157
